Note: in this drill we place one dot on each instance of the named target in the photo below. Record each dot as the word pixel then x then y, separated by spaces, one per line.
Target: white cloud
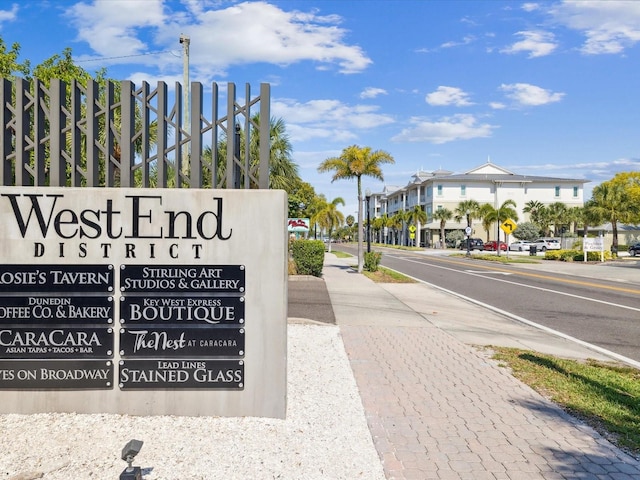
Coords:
pixel 530 7
pixel 609 26
pixel 9 15
pixel 444 96
pixel 448 129
pixel 536 43
pixel 242 33
pixel 524 94
pixel 465 41
pixel 330 119
pixel 372 92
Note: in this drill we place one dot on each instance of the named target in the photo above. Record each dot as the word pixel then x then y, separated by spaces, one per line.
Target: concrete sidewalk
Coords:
pixel 439 408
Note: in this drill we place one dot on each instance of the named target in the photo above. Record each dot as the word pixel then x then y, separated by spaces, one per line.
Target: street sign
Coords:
pixel 508 226
pixel 412 228
pixel 468 231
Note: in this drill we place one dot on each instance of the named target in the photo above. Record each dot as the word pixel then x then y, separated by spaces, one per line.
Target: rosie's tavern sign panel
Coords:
pixel 143 301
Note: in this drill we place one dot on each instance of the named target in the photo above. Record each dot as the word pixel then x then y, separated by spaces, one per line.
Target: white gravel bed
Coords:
pixel 324 436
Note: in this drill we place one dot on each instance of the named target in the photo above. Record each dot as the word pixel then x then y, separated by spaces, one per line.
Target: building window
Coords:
pixel 463 190
pixel 575 192
pixel 439 190
pixel 429 191
pixel 557 193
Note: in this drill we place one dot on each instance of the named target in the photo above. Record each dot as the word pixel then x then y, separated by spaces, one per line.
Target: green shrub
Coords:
pixel 575 255
pixel 308 256
pixel 372 261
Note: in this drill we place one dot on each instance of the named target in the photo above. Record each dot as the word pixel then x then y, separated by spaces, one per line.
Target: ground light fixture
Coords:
pixel 129 452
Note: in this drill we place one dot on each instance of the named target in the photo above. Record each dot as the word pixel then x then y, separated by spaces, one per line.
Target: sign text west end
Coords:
pixel 142 225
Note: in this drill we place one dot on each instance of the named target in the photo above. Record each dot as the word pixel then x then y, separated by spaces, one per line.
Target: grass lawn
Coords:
pixel 605 396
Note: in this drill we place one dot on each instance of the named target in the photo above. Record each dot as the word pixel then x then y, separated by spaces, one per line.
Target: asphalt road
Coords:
pixel 600 312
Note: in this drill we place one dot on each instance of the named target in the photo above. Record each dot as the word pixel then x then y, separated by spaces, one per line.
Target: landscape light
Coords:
pixel 129 452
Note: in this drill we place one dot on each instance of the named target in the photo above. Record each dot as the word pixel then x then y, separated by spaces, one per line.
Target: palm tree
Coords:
pixel 485 213
pixel 610 201
pixel 283 171
pixel 504 212
pixel 354 162
pixel 396 221
pixel 416 217
pixel 329 217
pixel 558 214
pixel 538 214
pixel 443 215
pixel 467 209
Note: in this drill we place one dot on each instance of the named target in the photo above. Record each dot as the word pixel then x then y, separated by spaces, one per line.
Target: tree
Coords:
pixel 329 217
pixel 9 66
pixel 527 231
pixel 443 215
pixel 300 198
pixel 498 215
pixel 396 221
pixel 467 209
pixel 417 216
pixel 558 215
pixel 283 171
pixel 610 201
pixel 356 162
pixel 485 212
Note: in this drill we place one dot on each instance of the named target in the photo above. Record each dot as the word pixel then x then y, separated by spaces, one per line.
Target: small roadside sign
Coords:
pixel 508 226
pixel 412 228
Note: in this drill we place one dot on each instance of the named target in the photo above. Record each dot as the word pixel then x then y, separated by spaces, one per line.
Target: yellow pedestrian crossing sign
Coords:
pixel 412 228
pixel 508 226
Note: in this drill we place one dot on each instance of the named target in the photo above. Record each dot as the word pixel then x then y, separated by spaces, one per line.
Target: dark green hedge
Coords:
pixel 308 256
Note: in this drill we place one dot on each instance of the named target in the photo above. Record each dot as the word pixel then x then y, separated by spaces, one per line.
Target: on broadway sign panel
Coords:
pixel 108 293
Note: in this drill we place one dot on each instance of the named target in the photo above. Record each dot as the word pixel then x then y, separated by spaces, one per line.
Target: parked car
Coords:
pixel 492 246
pixel 546 243
pixel 519 246
pixel 474 244
pixel 634 249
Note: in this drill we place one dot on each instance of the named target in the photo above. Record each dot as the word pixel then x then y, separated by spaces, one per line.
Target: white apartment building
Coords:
pixel 488 183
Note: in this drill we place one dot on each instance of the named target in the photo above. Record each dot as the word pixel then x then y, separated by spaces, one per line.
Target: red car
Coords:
pixel 492 246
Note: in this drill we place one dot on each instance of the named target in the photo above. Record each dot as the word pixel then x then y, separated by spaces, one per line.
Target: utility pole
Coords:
pixel 185 41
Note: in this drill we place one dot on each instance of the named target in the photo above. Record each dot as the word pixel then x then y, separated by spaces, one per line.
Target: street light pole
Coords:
pixel 468 232
pixel 367 195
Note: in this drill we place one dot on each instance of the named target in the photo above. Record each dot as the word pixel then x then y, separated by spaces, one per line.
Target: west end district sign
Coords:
pixel 131 290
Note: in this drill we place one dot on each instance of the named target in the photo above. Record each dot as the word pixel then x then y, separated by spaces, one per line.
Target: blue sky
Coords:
pixel 545 88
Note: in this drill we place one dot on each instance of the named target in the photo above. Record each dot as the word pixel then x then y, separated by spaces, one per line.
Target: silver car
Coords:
pixel 519 246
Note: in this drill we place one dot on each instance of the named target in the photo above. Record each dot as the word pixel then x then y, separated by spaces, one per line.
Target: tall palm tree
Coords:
pixel 504 212
pixel 329 217
pixel 485 213
pixel 417 216
pixel 610 201
pixel 356 162
pixel 443 215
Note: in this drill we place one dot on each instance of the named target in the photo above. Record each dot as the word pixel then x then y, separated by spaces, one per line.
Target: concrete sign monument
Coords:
pixel 143 301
